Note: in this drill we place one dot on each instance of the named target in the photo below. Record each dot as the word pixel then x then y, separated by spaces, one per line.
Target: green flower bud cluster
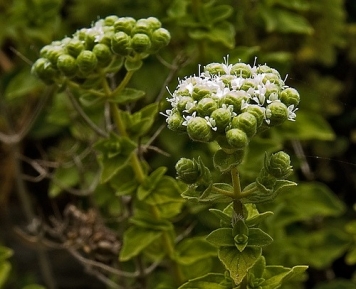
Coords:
pixel 230 103
pixel 276 167
pixel 106 46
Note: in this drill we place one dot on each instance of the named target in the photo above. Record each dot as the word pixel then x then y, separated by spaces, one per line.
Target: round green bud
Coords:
pixel 278 165
pixel 187 171
pixel 103 54
pixel 74 47
pixel 54 52
pixel 160 38
pixel 264 69
pixel 124 24
pixel 67 65
pixel 44 70
pixel 142 26
pixel 272 78
pixel 121 43
pixel 175 122
pixel 90 39
pixel 154 23
pixel 199 130
pixel 140 43
pixel 185 103
pixel 257 112
pixel 206 106
pixel 245 121
pixel 200 92
pixel 106 38
pixel 222 117
pixel 276 113
pixel 215 69
pixel 236 99
pixel 226 79
pixel 248 84
pixel 241 70
pixel 44 51
pixel 86 61
pixel 237 138
pixel 272 89
pixel 290 96
pixel 110 20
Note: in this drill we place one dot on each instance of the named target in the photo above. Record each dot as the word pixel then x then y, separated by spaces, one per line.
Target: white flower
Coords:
pixel 291 112
pixel 211 122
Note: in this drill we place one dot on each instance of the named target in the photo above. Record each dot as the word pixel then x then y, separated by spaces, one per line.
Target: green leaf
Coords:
pixel 139 123
pixel 216 13
pixel 136 239
pixel 336 284
pixel 194 249
pixel 209 281
pixel 124 181
pixel 221 237
pixel 308 126
pixel 224 218
pixel 115 153
pixel 238 263
pixel 258 238
pixel 146 221
pixel 150 183
pixel 5 268
pixel 178 9
pixel 5 253
pixel 127 95
pixel 285 21
pixel 276 275
pixel 223 33
pixel 63 178
pixel 132 65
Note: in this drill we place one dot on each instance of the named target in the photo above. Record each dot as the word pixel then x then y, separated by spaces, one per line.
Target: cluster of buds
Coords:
pixel 230 103
pixel 105 47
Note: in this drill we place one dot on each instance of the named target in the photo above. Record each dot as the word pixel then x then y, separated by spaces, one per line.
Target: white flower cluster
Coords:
pixel 232 89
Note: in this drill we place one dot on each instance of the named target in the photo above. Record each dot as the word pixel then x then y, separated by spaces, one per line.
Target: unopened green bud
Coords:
pixel 140 43
pixel 290 96
pixel 90 38
pixel 236 99
pixel 87 61
pixel 44 70
pixel 245 121
pixel 272 78
pixel 200 92
pixel 185 103
pixel 199 130
pixel 124 24
pixel 154 23
pixel 222 117
pixel 67 65
pixel 265 69
pixel 142 26
pixel 226 79
pixel 121 43
pixel 278 165
pixel 110 20
pixel 160 38
pixel 54 52
pixel 272 91
pixel 241 70
pixel 102 53
pixel 175 122
pixel 258 113
pixel 215 69
pixel 187 171
pixel 247 85
pixel 74 47
pixel 276 113
pixel 237 138
pixel 206 106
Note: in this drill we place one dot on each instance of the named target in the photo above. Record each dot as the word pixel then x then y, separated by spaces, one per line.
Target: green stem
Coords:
pixel 223 192
pixel 236 183
pixel 124 82
pixel 246 193
pixel 72 84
